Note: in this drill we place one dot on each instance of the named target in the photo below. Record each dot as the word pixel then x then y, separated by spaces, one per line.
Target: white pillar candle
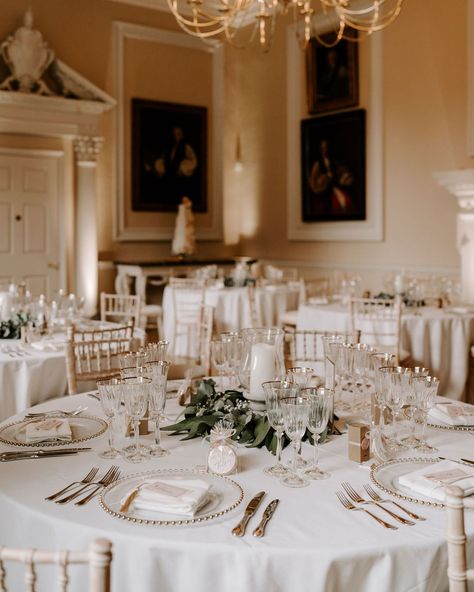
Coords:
pixel 262 366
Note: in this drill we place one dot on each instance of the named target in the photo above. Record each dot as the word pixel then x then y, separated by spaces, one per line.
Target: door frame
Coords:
pixel 63 197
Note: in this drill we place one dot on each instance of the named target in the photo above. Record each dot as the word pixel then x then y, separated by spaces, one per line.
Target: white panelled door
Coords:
pixel 29 201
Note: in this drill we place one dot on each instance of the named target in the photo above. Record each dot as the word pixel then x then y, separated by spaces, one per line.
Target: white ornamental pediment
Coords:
pixel 31 76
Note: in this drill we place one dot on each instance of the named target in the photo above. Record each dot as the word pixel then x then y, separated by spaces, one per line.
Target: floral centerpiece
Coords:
pixel 11 329
pixel 207 407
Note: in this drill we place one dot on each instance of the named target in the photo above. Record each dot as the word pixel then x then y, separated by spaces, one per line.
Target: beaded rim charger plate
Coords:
pixel 446 426
pixel 83 428
pixel 226 495
pixel 386 477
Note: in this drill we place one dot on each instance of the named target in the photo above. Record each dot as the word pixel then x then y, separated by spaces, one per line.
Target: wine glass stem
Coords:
pixel 136 431
pixel 316 450
pixel 111 432
pixel 157 432
pixel 423 426
pixel 295 456
pixel 278 450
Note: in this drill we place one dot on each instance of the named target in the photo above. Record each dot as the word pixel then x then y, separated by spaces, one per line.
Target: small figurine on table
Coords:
pixel 184 239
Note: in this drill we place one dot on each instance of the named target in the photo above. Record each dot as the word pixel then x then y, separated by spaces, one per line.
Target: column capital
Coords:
pixel 87 148
pixel 459 183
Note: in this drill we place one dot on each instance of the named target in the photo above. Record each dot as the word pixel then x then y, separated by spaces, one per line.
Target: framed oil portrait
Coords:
pixel 333 167
pixel 169 156
pixel 332 74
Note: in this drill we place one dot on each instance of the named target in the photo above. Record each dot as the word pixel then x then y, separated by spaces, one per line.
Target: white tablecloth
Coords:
pixel 29 378
pixel 312 544
pixel 232 308
pixel 436 339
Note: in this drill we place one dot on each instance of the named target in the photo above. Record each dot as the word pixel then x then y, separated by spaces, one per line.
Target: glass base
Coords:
pixel 110 453
pixel 277 470
pixel 301 463
pixel 425 448
pixel 130 449
pixel 410 441
pixel 293 480
pixel 136 457
pixel 158 451
pixel 316 473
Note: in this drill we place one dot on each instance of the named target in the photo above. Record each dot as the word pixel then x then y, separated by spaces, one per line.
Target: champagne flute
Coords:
pixel 157 372
pixel 295 420
pixel 320 405
pixel 275 391
pixel 218 356
pixel 135 391
pixel 110 395
pixel 427 400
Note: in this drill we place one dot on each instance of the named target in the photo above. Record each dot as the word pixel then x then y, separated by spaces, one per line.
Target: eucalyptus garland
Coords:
pixel 11 329
pixel 208 406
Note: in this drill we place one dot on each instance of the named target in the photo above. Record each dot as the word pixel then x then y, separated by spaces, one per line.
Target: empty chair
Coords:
pixel 120 308
pixel 378 321
pixel 310 292
pixel 188 299
pixel 458 573
pixel 94 354
pixel 305 348
pixel 98 557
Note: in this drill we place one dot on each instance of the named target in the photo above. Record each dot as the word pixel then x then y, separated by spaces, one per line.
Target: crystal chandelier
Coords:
pixel 240 21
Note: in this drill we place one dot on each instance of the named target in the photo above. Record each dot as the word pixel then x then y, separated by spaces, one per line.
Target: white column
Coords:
pixel 85 221
pixel 461 185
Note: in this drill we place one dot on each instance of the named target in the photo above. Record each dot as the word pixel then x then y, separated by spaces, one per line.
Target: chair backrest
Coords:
pixel 254 307
pixel 280 274
pixel 120 308
pixel 94 354
pixel 312 290
pixel 305 348
pixel 98 557
pixel 378 321
pixel 188 300
pixel 458 574
pixel 205 337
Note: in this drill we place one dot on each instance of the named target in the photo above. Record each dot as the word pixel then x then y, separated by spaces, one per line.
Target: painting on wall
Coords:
pixel 169 156
pixel 333 167
pixel 332 74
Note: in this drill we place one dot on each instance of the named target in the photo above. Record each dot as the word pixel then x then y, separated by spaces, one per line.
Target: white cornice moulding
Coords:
pixel 459 183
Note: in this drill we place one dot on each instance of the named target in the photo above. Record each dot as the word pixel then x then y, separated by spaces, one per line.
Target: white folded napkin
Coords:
pixel 432 480
pixel 453 413
pixel 48 430
pixel 184 497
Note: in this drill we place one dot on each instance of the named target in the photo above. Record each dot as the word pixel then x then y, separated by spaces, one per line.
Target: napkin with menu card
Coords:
pixel 183 497
pixel 431 480
pixel 453 413
pixel 53 429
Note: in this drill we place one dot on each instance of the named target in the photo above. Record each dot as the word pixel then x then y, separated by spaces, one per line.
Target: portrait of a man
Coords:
pixel 168 155
pixel 333 167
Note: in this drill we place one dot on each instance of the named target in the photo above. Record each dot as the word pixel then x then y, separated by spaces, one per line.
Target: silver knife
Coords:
pixel 461 461
pixel 250 510
pixel 267 514
pixel 26 454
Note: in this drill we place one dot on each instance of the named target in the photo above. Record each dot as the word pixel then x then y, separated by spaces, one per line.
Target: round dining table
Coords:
pixel 312 543
pixel 438 339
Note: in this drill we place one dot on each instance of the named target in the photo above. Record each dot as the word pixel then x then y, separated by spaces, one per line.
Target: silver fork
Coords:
pixel 70 497
pixel 347 504
pixel 56 412
pixel 376 497
pixel 87 479
pixel 103 483
pixel 355 497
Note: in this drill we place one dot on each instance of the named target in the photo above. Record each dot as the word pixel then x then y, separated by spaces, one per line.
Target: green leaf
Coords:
pixel 261 430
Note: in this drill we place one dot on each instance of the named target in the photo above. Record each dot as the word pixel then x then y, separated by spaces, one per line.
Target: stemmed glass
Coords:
pixel 379 360
pixel 234 349
pixel 427 392
pixel 157 372
pixel 135 391
pixel 156 352
pixel 275 392
pixel 320 405
pixel 110 395
pixel 397 384
pixel 133 359
pixel 218 356
pixel 412 404
pixel 300 375
pixel 295 420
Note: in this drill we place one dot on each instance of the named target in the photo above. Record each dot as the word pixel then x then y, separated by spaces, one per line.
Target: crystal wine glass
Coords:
pixel 110 395
pixel 135 392
pixel 133 359
pixel 156 351
pixel 320 405
pixel 295 420
pixel 427 392
pixel 219 360
pixel 157 372
pixel 234 349
pixel 300 375
pixel 276 391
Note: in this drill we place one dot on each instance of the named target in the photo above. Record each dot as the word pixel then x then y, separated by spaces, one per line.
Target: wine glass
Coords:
pixel 300 375
pixel 135 392
pixel 234 349
pixel 133 359
pixel 275 391
pixel 218 357
pixel 156 351
pixel 320 405
pixel 397 384
pixel 427 392
pixel 157 372
pixel 412 404
pixel 295 420
pixel 110 395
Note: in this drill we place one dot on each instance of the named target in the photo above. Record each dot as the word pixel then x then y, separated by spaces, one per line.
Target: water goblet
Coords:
pixel 295 420
pixel 275 391
pixel 133 359
pixel 428 390
pixel 300 375
pixel 110 395
pixel 157 372
pixel 397 384
pixel 412 404
pixel 320 405
pixel 135 392
pixel 234 349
